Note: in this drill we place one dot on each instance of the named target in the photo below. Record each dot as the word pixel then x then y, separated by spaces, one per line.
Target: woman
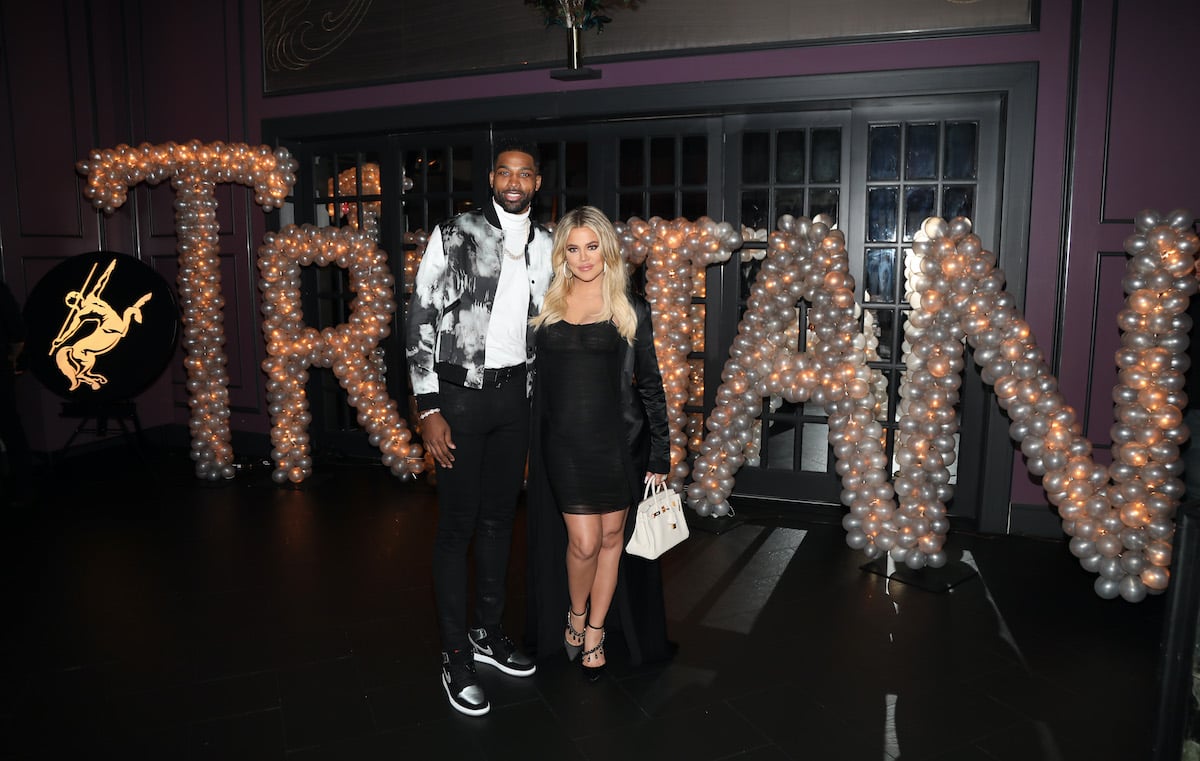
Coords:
pixel 600 432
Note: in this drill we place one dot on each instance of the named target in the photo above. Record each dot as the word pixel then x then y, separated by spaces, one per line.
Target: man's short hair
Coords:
pixel 505 144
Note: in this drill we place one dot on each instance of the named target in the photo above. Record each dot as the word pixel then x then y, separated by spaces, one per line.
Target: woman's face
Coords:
pixel 584 258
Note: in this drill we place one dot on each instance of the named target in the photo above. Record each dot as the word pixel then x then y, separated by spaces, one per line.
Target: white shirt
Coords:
pixel 510 311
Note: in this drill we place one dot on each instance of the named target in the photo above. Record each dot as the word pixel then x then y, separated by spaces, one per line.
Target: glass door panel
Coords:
pixel 917 161
pixel 878 170
pixel 795 164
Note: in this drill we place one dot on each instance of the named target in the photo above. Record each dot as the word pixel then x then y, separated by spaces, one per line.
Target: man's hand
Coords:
pixel 435 432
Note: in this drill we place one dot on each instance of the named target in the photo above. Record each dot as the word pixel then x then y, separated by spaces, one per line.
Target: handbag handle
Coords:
pixel 652 488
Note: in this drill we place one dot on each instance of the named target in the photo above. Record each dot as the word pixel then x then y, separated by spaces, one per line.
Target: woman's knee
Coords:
pixel 584 547
pixel 613 538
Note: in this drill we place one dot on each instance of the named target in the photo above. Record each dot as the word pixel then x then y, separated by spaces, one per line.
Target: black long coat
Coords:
pixel 638 611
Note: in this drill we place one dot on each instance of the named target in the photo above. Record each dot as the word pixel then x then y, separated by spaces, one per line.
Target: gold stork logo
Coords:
pixel 77 360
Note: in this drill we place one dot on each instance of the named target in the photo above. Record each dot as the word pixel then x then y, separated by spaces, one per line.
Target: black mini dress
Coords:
pixel 583 441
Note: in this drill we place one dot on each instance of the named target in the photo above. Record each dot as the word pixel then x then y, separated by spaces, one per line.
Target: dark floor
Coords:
pixel 156 616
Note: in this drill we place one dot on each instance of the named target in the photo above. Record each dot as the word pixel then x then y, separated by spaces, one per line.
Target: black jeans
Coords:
pixel 478 497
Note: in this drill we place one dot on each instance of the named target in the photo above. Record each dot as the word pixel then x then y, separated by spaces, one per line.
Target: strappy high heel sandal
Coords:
pixel 592 673
pixel 571 648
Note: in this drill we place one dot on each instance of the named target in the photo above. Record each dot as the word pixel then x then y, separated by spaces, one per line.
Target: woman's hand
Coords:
pixel 657 479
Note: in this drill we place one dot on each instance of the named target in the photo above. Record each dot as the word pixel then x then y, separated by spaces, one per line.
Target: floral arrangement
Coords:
pixel 583 14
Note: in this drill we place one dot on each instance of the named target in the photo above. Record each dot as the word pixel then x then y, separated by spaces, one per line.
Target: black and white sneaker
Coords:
pixel 462 687
pixel 495 649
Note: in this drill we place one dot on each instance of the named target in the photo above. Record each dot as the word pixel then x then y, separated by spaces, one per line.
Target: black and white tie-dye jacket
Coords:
pixel 452 302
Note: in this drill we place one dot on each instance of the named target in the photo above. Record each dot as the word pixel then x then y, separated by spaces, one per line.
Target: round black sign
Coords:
pixel 101 327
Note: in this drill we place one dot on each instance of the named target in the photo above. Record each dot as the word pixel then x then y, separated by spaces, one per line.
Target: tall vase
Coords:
pixel 575 68
pixel 574 48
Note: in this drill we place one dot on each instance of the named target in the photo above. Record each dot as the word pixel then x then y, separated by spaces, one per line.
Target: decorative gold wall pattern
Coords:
pixel 294 37
pixel 327 44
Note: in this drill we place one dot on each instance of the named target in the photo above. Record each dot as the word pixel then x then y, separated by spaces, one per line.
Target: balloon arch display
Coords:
pixel 1120 517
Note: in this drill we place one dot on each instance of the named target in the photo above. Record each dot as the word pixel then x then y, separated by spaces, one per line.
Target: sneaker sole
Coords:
pixel 490 661
pixel 462 708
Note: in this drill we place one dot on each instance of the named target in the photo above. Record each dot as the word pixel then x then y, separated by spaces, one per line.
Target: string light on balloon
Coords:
pixel 675 254
pixel 347 349
pixel 195 169
pixel 805 259
pixel 1119 517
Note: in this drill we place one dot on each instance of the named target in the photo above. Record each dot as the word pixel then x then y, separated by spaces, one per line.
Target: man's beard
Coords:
pixel 513 207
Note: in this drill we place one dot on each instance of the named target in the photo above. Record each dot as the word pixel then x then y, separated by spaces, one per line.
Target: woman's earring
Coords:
pixel 566 272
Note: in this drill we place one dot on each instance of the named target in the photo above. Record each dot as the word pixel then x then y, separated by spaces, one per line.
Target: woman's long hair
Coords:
pixel 617 306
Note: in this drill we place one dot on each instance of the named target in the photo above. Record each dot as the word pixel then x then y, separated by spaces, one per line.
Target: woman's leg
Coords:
pixel 583 550
pixel 604 582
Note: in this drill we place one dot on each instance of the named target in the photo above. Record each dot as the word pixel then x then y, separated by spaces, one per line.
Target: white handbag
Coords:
pixel 660 523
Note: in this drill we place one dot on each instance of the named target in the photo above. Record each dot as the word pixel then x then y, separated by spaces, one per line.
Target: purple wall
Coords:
pixel 191 70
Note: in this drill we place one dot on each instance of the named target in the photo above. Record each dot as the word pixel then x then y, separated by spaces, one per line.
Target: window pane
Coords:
pixel 662 161
pixel 881 321
pixel 779 447
pixel 881 210
pixel 749 272
pixel 323 172
pixel 961 150
pixel 629 205
pixel 463 164
pixel 888 413
pixel 891 333
pixel 694 205
pixel 814 454
pixel 413 162
pixel 920 203
pixel 879 275
pixel 545 207
pixel 574 201
pixel 414 216
pixel 921 152
pixel 883 153
pixel 630 160
pixel 789 202
pixel 346 186
pixel 577 165
pixel 823 201
pixel 756 154
pixel 826 155
pixel 695 160
pixel 437 171
pixel 755 210
pixel 958 201
pixel 789 156
pixel 549 167
pixel 662 205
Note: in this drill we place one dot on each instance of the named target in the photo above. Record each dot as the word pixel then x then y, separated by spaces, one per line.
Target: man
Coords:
pixel 470 355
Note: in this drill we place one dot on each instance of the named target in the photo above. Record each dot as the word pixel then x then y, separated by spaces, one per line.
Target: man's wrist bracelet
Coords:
pixel 428 412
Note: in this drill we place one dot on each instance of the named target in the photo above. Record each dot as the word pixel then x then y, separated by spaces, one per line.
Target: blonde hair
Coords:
pixel 617 306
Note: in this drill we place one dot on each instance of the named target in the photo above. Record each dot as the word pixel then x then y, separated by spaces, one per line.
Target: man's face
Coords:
pixel 514 180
